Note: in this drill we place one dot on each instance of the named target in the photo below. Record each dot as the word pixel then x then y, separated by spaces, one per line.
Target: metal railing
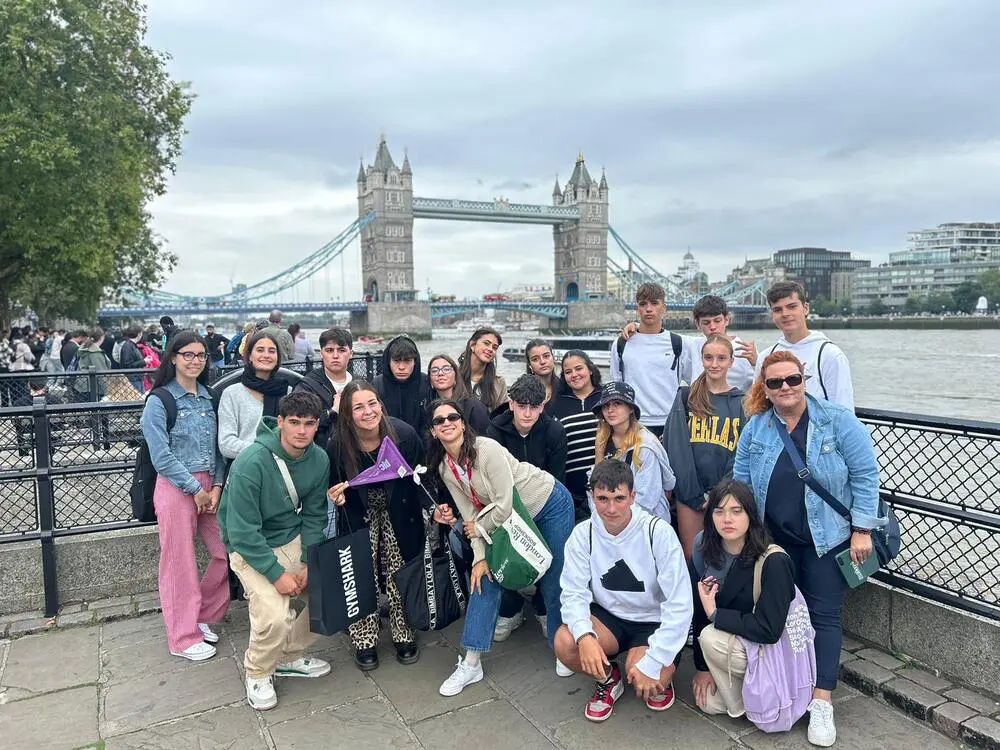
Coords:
pixel 65 469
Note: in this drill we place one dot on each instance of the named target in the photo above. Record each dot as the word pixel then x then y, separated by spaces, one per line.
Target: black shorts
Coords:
pixel 628 634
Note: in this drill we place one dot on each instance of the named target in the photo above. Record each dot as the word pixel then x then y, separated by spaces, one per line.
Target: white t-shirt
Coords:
pixel 650 369
pixel 338 387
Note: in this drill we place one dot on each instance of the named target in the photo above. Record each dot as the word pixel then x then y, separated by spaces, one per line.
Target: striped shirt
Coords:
pixel 580 423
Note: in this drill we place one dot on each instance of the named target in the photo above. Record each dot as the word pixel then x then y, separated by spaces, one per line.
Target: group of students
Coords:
pixel 656 498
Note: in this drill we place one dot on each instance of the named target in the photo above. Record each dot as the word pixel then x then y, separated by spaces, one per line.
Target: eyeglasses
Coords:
pixel 442 370
pixel 453 417
pixel 775 384
pixel 191 356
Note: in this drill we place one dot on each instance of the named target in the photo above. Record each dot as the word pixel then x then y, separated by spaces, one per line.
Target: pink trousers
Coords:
pixel 184 598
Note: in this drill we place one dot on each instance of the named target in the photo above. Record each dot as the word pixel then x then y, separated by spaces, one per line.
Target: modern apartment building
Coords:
pixel 951 243
pixel 813 267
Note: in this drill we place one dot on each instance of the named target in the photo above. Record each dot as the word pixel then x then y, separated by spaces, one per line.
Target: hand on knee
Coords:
pixel 565 646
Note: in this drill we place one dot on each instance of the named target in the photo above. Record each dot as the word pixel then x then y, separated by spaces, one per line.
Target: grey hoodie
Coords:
pixel 702 450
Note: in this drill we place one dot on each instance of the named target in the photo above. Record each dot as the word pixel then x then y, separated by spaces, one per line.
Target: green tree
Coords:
pixel 989 283
pixel 90 129
pixel 939 302
pixel 966 295
pixel 823 307
pixel 846 307
pixel 877 307
pixel 913 304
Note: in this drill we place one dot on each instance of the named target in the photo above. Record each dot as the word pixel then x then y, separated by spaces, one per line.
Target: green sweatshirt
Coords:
pixel 257 514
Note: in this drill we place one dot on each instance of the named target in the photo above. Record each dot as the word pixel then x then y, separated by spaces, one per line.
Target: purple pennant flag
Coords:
pixel 389 464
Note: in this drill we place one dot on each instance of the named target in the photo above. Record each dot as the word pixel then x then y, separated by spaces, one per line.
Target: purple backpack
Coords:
pixel 780 676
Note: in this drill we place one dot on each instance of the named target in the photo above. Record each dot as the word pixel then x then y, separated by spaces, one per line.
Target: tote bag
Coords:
pixel 516 551
pixel 341 582
pixel 433 591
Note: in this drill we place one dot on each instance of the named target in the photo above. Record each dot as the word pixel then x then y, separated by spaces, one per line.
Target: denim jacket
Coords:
pixel 841 457
pixel 191 446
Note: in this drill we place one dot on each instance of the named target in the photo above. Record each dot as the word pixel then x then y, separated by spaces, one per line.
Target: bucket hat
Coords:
pixel 617 390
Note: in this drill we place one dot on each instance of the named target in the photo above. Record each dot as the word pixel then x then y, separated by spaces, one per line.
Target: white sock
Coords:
pixel 471 658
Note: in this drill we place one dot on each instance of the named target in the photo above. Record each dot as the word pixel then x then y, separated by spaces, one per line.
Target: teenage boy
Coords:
pixel 273 508
pixel 652 360
pixel 336 347
pixel 828 372
pixel 711 317
pixel 404 389
pixel 625 590
pixel 530 435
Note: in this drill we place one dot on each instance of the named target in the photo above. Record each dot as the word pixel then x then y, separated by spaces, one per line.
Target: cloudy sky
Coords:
pixel 732 128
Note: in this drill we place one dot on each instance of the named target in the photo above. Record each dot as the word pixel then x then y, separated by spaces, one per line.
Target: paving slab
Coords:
pixel 134 660
pixel 53 661
pixel 887 661
pixel 983 704
pixel 298 696
pixel 147 700
pixel 949 717
pixel 499 724
pixel 413 689
pixel 925 679
pixel 232 727
pixel 144 629
pixel 56 721
pixel 862 724
pixel 359 726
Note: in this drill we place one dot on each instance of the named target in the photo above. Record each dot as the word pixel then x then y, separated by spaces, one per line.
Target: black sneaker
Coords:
pixel 366 659
pixel 407 653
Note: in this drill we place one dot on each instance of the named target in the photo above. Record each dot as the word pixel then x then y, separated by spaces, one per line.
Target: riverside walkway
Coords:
pixel 113 686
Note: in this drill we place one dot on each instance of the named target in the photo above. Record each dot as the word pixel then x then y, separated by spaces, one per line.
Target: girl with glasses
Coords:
pixel 478 368
pixel 445 383
pixel 188 488
pixel 837 449
pixel 478 471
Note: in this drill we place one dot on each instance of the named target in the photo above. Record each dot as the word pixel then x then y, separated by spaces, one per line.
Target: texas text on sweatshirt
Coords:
pixel 631 579
pixel 831 381
pixel 702 449
pixel 653 476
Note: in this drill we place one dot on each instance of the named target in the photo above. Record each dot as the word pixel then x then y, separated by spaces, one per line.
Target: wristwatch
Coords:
pixel 584 636
pixel 866 532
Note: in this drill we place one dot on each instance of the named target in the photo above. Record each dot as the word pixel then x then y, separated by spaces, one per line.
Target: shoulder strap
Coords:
pixel 620 348
pixel 677 344
pixel 169 405
pixel 685 391
pixel 819 368
pixel 289 485
pixel 806 476
pixel 758 570
pixel 652 528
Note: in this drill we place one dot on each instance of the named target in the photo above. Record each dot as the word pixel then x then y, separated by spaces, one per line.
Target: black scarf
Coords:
pixel 273 388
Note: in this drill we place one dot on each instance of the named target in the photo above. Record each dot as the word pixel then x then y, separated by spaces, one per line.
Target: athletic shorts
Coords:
pixel 628 634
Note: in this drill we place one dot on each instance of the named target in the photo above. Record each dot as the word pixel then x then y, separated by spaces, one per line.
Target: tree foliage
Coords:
pixel 90 129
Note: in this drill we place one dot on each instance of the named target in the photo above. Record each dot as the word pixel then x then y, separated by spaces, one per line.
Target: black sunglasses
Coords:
pixel 453 417
pixel 792 380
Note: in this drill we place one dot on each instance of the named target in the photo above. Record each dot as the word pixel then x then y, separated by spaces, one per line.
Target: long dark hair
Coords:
pixel 487 385
pixel 460 392
pixel 253 342
pixel 699 398
pixel 757 537
pixel 595 374
pixel 551 381
pixel 436 451
pixel 348 443
pixel 167 371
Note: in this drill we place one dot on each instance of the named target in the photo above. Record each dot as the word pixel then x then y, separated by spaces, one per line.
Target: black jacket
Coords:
pixel 734 603
pixel 316 382
pixel 129 357
pixel 544 446
pixel 405 498
pixel 408 400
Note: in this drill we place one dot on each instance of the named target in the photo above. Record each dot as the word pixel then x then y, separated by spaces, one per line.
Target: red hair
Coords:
pixel 756 402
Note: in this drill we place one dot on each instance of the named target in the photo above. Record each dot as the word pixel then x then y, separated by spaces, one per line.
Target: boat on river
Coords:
pixel 597 346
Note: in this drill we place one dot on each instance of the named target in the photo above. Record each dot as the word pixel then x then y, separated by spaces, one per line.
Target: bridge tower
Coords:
pixel 581 247
pixel 387 242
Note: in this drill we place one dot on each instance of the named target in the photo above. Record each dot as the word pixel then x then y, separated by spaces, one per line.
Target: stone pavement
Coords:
pixel 114 686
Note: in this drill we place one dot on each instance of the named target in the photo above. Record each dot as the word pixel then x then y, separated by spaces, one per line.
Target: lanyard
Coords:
pixel 464 479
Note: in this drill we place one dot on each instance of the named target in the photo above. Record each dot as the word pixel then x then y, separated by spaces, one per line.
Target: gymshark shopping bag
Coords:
pixel 516 552
pixel 341 582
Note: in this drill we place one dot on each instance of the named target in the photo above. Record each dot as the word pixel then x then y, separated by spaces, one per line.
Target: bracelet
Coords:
pixel 594 635
pixel 866 532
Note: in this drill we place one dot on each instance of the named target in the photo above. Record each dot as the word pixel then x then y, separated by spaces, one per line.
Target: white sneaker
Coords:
pixel 506 626
pixel 543 620
pixel 822 730
pixel 562 670
pixel 198 652
pixel 260 693
pixel 207 633
pixel 462 676
pixel 308 666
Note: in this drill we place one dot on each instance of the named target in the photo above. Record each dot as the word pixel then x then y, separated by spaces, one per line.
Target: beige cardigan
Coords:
pixel 495 473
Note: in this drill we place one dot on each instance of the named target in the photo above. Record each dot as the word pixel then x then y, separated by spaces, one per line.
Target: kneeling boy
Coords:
pixel 625 589
pixel 272 510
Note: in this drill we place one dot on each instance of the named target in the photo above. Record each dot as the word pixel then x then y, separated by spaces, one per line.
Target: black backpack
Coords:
pixel 144 476
pixel 676 343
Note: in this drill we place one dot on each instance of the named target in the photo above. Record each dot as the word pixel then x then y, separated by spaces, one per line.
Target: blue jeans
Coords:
pixel 555 521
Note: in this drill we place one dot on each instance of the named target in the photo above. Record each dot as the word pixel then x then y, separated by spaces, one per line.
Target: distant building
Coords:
pixel 841 286
pixel 951 243
pixel 531 293
pixel 813 267
pixel 753 270
pixel 689 276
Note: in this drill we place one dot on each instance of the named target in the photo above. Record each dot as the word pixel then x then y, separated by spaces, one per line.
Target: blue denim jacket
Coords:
pixel 841 457
pixel 191 446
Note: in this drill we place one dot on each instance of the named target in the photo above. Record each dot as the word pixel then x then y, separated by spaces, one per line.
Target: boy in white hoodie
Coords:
pixel 625 589
pixel 826 365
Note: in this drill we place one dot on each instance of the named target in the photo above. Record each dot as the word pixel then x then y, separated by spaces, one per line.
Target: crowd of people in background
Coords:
pixel 671 497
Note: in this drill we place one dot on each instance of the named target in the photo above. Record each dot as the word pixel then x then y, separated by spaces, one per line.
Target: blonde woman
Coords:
pixel 620 435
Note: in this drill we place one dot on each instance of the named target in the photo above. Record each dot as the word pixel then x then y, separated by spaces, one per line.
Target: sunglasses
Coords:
pixel 775 384
pixel 453 417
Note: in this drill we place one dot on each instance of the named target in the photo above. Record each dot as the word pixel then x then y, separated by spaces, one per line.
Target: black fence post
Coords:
pixel 46 504
pixel 92 380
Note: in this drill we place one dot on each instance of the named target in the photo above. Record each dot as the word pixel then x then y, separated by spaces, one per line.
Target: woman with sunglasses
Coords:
pixel 837 449
pixel 542 363
pixel 445 383
pixel 186 497
pixel 478 368
pixel 479 471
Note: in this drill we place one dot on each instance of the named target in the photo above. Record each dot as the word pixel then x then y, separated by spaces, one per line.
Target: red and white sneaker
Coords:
pixel 602 702
pixel 661 702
